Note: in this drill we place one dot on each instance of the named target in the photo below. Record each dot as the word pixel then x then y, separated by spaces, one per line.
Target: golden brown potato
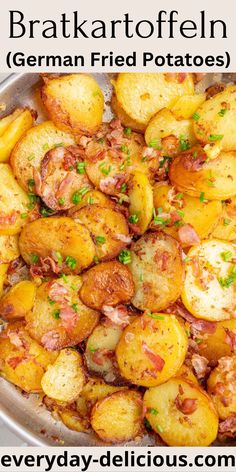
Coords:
pixel 29 152
pixel 186 106
pixel 181 413
pixel 212 179
pixel 142 95
pixel 97 389
pixel 108 283
pixel 9 249
pixel 93 197
pixel 108 229
pixel 152 349
pixel 181 208
pixel 15 129
pixel 209 291
pixel 22 360
pixel 140 201
pixel 3 274
pixel 64 379
pixel 8 119
pixel 165 124
pixel 59 318
pixel 219 344
pixel 155 262
pixel 72 420
pixel 18 301
pixel 124 117
pixel 187 374
pixel 61 238
pixel 74 102
pixel 13 203
pixel 221 386
pixel 226 226
pixel 216 120
pixel 118 417
pixel 100 352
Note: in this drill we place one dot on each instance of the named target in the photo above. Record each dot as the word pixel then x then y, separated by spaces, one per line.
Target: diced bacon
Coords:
pixel 8 219
pixel 188 235
pixel 50 340
pixel 99 356
pixel 57 292
pixel 230 339
pixel 122 237
pixel 68 318
pixel 116 124
pixel 192 162
pixel 179 309
pixel 109 184
pixel 200 365
pixel 228 426
pixel 118 314
pixel 186 406
pixel 155 359
pixel 15 361
pixel 15 339
pixel 182 76
pixel 150 152
pixel 83 141
pixel 170 144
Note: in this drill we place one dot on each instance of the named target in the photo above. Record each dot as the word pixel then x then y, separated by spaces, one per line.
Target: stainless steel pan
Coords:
pixel 23 413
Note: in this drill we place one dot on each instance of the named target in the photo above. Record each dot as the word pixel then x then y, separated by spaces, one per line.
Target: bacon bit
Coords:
pixel 195 263
pixel 188 235
pixel 214 90
pixel 162 259
pixel 150 152
pixel 186 406
pixel 118 315
pixel 57 292
pixel 8 219
pixel 15 339
pixel 228 426
pixel 109 184
pixel 230 339
pixel 83 141
pixel 68 318
pixel 15 361
pixel 155 359
pixel 65 185
pixel 98 357
pixel 179 309
pixel 200 365
pixel 170 144
pixel 122 237
pixel 50 340
pixel 116 124
pixel 134 227
pixel 182 76
pixel 190 162
pixel 44 267
pixel 38 181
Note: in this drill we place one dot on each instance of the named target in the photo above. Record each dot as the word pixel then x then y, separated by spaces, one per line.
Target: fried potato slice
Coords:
pixel 186 106
pixel 118 417
pixel 59 318
pixel 108 283
pixel 15 129
pixel 100 352
pixel 50 237
pixel 216 121
pixel 23 360
pixel 221 386
pixel 72 420
pixel 219 344
pixel 209 291
pixel 213 179
pixel 181 208
pixel 226 225
pixel 187 374
pixel 108 229
pixel 125 119
pixel 18 301
pixel 29 152
pixel 163 125
pixel 3 273
pixel 97 389
pixel 155 262
pixel 64 380
pixel 92 197
pixel 8 119
pixel 13 203
pixel 152 349
pixel 9 249
pixel 140 201
pixel 181 413
pixel 74 103
pixel 142 95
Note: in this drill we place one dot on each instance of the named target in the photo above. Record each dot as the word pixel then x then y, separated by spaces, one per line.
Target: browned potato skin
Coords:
pixel 23 366
pixel 107 223
pixel 18 301
pixel 118 417
pixel 124 118
pixel 108 283
pixel 44 236
pixel 40 320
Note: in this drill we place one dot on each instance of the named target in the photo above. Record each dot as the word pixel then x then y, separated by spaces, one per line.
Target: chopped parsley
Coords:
pixel 92 349
pixel 179 196
pixel 125 257
pixel 71 262
pixel 165 159
pixel 59 145
pixel 23 215
pixel 45 147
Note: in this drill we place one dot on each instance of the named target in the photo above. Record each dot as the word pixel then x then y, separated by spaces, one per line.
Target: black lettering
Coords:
pixel 14 21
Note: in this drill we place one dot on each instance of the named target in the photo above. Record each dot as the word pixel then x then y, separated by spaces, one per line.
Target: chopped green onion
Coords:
pixel 31 184
pixel 56 314
pixel 202 198
pixel 159 428
pixel 50 301
pixel 80 167
pixel 125 257
pixel 154 316
pixel 222 112
pixel 71 262
pixel 196 116
pixel 100 239
pixel 104 168
pixel 133 219
pixel 31 157
pixel 96 260
pixel 153 411
pixel 75 307
pixel 128 131
pixel 34 258
pixel 216 137
pixel 123 188
pixel 61 201
pixel 227 256
pixel 226 222
pixel 183 143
